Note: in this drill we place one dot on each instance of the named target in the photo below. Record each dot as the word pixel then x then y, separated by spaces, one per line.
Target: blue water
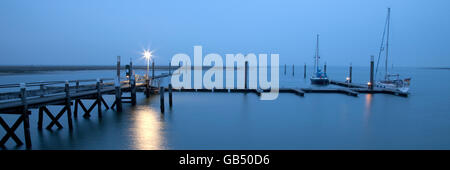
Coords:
pixel 242 121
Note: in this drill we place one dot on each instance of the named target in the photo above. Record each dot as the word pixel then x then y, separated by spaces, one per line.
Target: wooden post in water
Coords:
pixel 118 67
pixel 153 70
pixel 284 69
pixel 350 74
pixel 304 71
pixel 26 120
pixel 99 99
pixel 117 87
pixel 371 73
pixel 170 95
pixel 147 87
pixel 118 94
pixel 77 101
pixel 161 94
pixel 325 68
pixel 293 72
pixel 68 107
pixel 133 85
pixel 246 74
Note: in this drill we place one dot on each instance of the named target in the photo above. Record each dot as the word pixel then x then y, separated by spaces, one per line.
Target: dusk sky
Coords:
pixel 87 32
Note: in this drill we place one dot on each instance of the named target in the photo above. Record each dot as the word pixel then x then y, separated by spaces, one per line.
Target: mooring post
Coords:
pixel 133 85
pixel 147 87
pixel 26 120
pixel 68 101
pixel 118 67
pixel 371 73
pixel 161 94
pixel 118 95
pixel 170 95
pixel 293 72
pixel 153 70
pixel 325 68
pixel 350 74
pixel 304 71
pixel 75 107
pixel 99 99
pixel 284 69
pixel 41 117
pixel 246 74
pixel 117 87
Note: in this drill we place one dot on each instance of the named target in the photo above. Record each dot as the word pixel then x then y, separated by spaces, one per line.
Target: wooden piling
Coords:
pixel 161 94
pixel 304 71
pixel 284 69
pixel 153 70
pixel 99 99
pixel 40 118
pixel 68 105
pixel 118 66
pixel 350 74
pixel 147 87
pixel 371 73
pixel 117 85
pixel 118 95
pixel 246 74
pixel 26 120
pixel 132 85
pixel 170 95
pixel 293 72
pixel 325 68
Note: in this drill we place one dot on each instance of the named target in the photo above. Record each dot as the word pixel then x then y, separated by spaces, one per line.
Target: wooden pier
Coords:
pixel 71 95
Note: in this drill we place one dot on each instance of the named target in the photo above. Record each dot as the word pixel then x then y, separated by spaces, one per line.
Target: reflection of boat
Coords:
pixel 390 81
pixel 318 77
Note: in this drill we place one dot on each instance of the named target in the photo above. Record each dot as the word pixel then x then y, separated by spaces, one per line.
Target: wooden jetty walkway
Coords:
pixel 72 95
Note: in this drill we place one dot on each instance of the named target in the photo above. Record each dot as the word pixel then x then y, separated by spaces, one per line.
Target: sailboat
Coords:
pixel 390 81
pixel 319 77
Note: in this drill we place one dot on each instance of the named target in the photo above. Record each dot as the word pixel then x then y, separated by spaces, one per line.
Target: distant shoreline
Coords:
pixel 35 68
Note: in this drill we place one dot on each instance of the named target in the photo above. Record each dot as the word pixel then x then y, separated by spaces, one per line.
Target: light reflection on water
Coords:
pixel 147 129
pixel 367 108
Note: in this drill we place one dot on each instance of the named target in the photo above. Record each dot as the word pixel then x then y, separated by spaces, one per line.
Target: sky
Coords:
pixel 86 32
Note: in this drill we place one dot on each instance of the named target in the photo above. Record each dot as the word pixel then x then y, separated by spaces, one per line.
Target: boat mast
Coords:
pixel 387 43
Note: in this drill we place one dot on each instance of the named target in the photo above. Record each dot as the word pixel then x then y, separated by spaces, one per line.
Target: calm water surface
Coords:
pixel 242 121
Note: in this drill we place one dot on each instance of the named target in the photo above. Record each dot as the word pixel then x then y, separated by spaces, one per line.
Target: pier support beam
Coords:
pixel 118 101
pixel 161 94
pixel 26 120
pixel 147 87
pixel 304 71
pixel 153 70
pixel 99 99
pixel 350 74
pixel 371 73
pixel 75 107
pixel 170 95
pixel 246 74
pixel 133 85
pixel 68 105
pixel 293 72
